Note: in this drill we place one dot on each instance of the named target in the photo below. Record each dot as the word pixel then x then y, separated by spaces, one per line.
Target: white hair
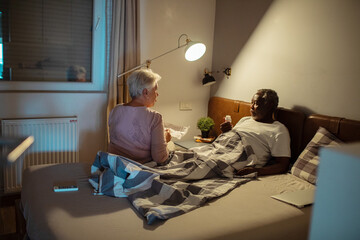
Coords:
pixel 141 79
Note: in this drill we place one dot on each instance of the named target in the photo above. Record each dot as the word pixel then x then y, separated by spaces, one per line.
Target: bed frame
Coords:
pixel 295 225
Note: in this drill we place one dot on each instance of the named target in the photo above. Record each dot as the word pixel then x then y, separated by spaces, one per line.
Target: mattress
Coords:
pixel 247 212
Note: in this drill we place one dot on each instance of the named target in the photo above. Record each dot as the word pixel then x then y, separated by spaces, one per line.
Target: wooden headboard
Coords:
pixel 346 130
pixel 301 128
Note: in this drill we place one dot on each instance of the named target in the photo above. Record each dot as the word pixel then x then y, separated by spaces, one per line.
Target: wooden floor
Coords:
pixel 8 217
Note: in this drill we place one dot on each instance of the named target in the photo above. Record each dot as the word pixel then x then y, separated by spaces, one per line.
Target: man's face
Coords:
pixel 259 110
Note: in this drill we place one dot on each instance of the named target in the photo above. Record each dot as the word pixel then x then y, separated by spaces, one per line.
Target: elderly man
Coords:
pixel 269 138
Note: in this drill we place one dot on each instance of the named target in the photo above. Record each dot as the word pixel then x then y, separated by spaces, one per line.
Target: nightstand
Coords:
pixel 185 145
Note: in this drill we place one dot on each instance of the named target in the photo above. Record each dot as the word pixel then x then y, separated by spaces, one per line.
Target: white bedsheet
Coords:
pixel 247 212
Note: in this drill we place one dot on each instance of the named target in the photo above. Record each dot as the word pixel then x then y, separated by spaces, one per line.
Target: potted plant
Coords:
pixel 205 124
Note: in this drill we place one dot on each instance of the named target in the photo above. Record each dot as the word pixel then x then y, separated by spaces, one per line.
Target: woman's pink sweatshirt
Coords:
pixel 137 133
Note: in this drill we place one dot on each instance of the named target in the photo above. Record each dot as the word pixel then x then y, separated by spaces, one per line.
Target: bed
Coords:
pixel 246 212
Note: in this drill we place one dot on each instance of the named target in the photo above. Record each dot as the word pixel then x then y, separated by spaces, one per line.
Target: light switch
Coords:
pixel 185 106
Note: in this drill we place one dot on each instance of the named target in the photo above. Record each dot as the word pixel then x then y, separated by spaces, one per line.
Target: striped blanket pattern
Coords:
pixel 186 182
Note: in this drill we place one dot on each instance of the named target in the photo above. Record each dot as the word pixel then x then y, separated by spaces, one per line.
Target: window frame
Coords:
pixel 98 63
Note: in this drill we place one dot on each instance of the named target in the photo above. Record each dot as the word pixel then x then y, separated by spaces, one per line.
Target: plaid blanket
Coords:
pixel 186 182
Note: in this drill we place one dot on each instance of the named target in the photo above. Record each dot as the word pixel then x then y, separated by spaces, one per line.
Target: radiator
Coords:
pixel 56 140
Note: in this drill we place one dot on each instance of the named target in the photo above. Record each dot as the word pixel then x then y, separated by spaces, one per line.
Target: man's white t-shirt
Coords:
pixel 267 139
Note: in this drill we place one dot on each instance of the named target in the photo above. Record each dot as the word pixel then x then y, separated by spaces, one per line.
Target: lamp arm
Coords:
pixel 167 52
pixel 133 69
pixel 148 62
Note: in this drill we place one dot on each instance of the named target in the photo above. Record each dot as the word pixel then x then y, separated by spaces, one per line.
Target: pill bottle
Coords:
pixel 228 118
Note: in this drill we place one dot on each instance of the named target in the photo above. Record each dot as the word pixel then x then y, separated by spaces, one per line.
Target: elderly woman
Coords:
pixel 136 131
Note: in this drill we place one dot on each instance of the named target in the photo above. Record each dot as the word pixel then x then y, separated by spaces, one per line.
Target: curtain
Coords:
pixel 122 30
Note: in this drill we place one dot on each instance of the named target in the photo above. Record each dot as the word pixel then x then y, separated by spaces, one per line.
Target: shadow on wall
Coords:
pixel 305 110
pixel 227 13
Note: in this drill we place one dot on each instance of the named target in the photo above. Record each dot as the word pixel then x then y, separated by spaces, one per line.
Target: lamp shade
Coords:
pixel 194 51
pixel 208 80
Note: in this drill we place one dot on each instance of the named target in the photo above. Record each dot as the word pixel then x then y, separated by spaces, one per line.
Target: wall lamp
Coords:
pixel 193 51
pixel 209 79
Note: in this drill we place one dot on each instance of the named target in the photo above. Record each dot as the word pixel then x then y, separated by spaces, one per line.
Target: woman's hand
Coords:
pixel 167 135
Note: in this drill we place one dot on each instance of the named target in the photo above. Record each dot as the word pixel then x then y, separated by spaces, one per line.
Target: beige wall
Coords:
pixel 306 50
pixel 161 24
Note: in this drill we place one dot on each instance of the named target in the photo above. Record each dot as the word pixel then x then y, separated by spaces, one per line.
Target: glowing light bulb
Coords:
pixel 194 51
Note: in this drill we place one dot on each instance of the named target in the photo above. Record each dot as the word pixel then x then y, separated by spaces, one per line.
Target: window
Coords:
pixel 52 45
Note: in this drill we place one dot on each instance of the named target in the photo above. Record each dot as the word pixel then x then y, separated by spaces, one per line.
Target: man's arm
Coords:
pixel 280 165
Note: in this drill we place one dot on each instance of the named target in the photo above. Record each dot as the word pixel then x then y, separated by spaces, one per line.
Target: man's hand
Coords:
pixel 246 170
pixel 225 127
pixel 280 166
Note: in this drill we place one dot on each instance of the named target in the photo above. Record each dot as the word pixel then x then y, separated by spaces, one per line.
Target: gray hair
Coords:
pixel 270 96
pixel 141 79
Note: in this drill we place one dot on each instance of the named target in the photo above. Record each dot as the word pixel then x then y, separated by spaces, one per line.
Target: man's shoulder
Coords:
pixel 281 128
pixel 246 118
pixel 279 124
pixel 243 120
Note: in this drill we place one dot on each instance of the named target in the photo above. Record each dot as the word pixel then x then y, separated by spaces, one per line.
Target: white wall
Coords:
pixel 161 24
pixel 308 51
pixel 90 108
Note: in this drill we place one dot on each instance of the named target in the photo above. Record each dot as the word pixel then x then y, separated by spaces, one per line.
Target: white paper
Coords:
pixel 176 131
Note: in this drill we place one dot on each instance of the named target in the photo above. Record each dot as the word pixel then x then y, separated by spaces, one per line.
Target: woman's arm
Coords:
pixel 159 151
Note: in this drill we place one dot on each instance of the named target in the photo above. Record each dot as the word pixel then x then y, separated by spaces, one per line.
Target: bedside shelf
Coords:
pixel 189 144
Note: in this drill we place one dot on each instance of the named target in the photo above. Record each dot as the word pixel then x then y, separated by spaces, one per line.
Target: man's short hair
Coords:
pixel 270 97
pixel 141 79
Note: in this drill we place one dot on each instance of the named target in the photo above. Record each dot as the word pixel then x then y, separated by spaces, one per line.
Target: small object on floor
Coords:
pixel 68 186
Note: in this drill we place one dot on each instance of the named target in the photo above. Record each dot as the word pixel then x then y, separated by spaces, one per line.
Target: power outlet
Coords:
pixel 185 106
